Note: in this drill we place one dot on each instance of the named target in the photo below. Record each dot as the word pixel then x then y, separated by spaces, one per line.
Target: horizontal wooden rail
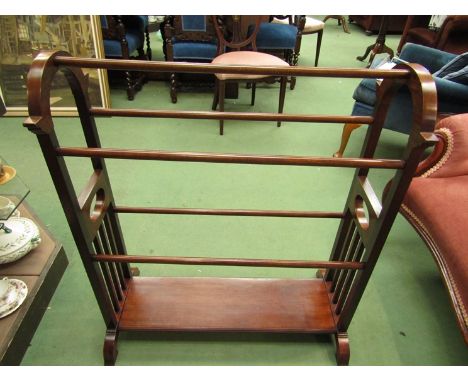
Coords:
pixel 185 67
pixel 229 212
pixel 229 158
pixel 242 116
pixel 229 262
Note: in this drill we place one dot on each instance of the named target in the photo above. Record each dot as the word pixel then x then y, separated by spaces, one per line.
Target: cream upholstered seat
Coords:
pixel 246 57
pixel 307 26
pixel 242 57
pixel 312 25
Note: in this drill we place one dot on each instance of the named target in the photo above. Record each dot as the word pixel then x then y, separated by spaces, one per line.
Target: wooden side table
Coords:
pixel 41 270
pixel 379 45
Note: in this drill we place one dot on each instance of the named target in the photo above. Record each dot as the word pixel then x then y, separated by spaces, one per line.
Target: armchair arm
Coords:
pixel 432 59
pixel 451 24
pixel 453 91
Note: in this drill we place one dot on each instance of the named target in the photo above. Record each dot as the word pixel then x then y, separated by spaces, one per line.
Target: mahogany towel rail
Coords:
pixel 322 305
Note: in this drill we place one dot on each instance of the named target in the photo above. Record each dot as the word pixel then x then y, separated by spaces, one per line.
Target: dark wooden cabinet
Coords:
pixel 371 24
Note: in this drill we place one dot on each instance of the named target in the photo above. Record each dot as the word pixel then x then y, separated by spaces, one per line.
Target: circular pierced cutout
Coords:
pixel 362 213
pixel 97 205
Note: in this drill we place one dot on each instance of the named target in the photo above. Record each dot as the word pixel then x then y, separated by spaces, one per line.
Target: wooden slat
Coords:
pixel 216 115
pixel 230 158
pixel 222 304
pixel 229 212
pixel 181 67
pixel 228 261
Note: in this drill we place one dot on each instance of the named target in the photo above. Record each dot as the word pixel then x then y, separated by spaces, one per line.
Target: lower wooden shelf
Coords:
pixel 227 304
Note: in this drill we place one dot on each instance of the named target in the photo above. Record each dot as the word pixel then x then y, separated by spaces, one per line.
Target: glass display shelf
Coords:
pixel 12 192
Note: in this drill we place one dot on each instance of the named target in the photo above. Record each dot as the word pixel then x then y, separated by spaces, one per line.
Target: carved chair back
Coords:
pixel 229 34
pixel 193 28
pixel 112 27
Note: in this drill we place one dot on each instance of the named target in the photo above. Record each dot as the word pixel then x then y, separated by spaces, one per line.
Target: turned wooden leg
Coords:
pixel 149 52
pixel 283 82
pixel 222 93
pixel 347 130
pixel 110 347
pixel 173 88
pixel 344 24
pixel 319 44
pixel 216 95
pixel 342 349
pixel 130 86
pixel 254 88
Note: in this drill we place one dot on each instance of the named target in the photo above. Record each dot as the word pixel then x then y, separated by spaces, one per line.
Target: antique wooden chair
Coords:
pixel 311 26
pixel 124 37
pixel 281 36
pixel 452 36
pixel 191 39
pixel 242 57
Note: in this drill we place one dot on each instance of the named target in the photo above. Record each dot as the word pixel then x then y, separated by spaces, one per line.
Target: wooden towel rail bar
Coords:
pixel 239 116
pixel 229 212
pixel 229 158
pixel 228 262
pixel 324 305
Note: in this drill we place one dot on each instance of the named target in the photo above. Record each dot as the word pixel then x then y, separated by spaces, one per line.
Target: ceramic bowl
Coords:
pixel 24 237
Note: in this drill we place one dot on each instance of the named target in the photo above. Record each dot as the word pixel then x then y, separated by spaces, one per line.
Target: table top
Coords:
pixel 41 270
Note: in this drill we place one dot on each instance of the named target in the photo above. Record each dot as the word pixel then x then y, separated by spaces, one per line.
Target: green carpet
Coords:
pixel 404 318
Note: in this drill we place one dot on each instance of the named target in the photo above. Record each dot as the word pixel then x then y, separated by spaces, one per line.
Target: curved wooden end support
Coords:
pixel 40 76
pixel 342 349
pixel 110 347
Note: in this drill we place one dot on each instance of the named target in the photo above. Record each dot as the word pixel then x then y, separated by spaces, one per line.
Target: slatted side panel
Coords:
pixel 341 280
pixel 112 273
pixel 355 235
pixel 95 203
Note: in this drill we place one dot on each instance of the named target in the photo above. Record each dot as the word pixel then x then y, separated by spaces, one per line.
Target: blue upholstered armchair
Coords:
pixel 191 39
pixel 124 37
pixel 452 94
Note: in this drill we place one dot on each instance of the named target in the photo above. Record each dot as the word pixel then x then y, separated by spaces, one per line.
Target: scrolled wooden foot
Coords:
pixel 364 56
pixel 320 274
pixel 110 347
pixel 342 349
pixel 348 128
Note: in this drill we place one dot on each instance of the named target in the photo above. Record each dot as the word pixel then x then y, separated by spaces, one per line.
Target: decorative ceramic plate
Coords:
pixel 15 296
pixel 24 236
pixel 9 174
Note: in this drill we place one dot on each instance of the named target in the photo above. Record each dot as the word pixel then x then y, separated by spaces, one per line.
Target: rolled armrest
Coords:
pixel 456 93
pixel 432 59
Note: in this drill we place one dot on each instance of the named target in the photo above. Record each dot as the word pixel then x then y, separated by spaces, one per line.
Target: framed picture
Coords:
pixel 24 36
